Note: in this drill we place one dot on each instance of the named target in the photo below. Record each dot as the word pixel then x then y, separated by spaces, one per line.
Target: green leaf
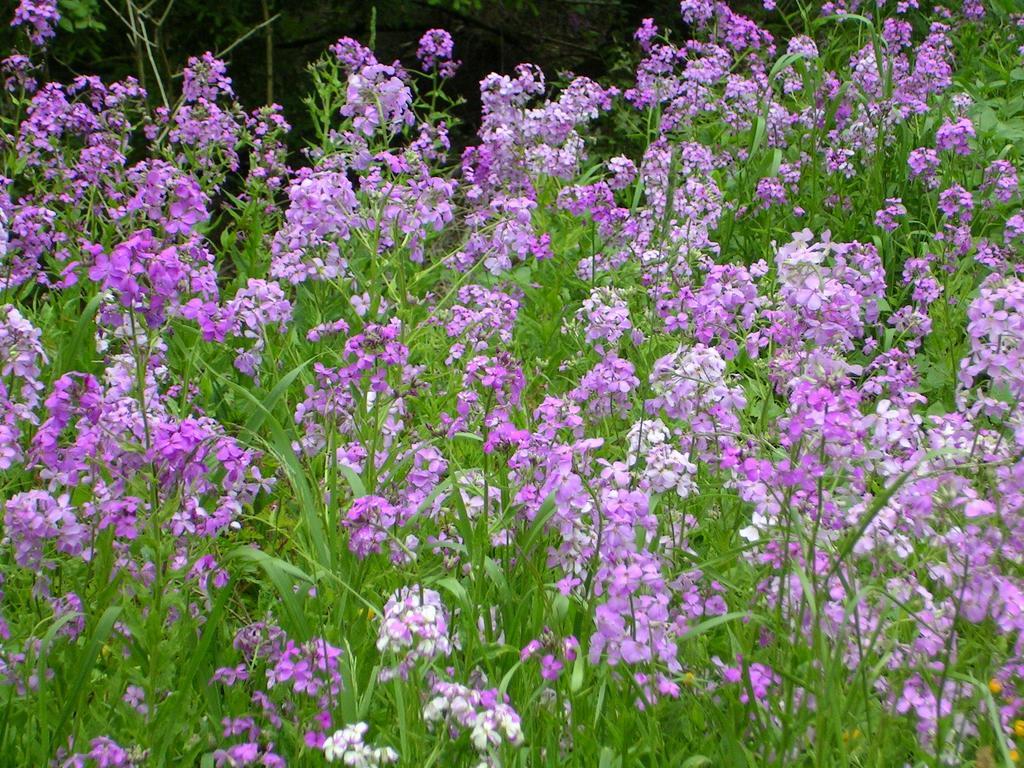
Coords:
pixel 540 520
pixel 85 663
pixel 283 576
pixel 455 589
pixel 609 759
pixel 715 621
pixel 168 712
pixel 578 673
pixel 266 405
pixel 355 482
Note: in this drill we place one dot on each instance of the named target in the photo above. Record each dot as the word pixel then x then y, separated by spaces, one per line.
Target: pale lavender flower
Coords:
pixel 348 746
pixel 414 628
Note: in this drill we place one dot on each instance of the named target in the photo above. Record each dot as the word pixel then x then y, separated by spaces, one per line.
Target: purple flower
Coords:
pixel 435 53
pixel 205 78
pixel 39 17
pixel 414 627
pixel 605 316
pixel 887 218
pixel 33 518
pixel 311 668
pixel 320 217
pixel 623 172
pixel 645 33
pixel 368 522
pixel 953 136
pixel 996 331
pixel 923 164
pixel 485 713
pixel 1002 181
pixel 956 202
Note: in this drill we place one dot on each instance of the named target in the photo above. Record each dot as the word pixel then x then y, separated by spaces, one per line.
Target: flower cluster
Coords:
pixel 414 627
pixel 348 747
pixel 484 713
pixel 39 17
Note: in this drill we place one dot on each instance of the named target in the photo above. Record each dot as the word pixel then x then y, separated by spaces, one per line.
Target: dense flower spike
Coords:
pixel 435 52
pixel 21 360
pixel 414 626
pixel 39 17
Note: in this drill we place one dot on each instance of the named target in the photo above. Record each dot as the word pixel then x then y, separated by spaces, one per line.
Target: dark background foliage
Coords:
pixel 268 43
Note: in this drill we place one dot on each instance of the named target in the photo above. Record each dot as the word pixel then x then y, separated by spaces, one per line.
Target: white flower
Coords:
pixel 347 746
